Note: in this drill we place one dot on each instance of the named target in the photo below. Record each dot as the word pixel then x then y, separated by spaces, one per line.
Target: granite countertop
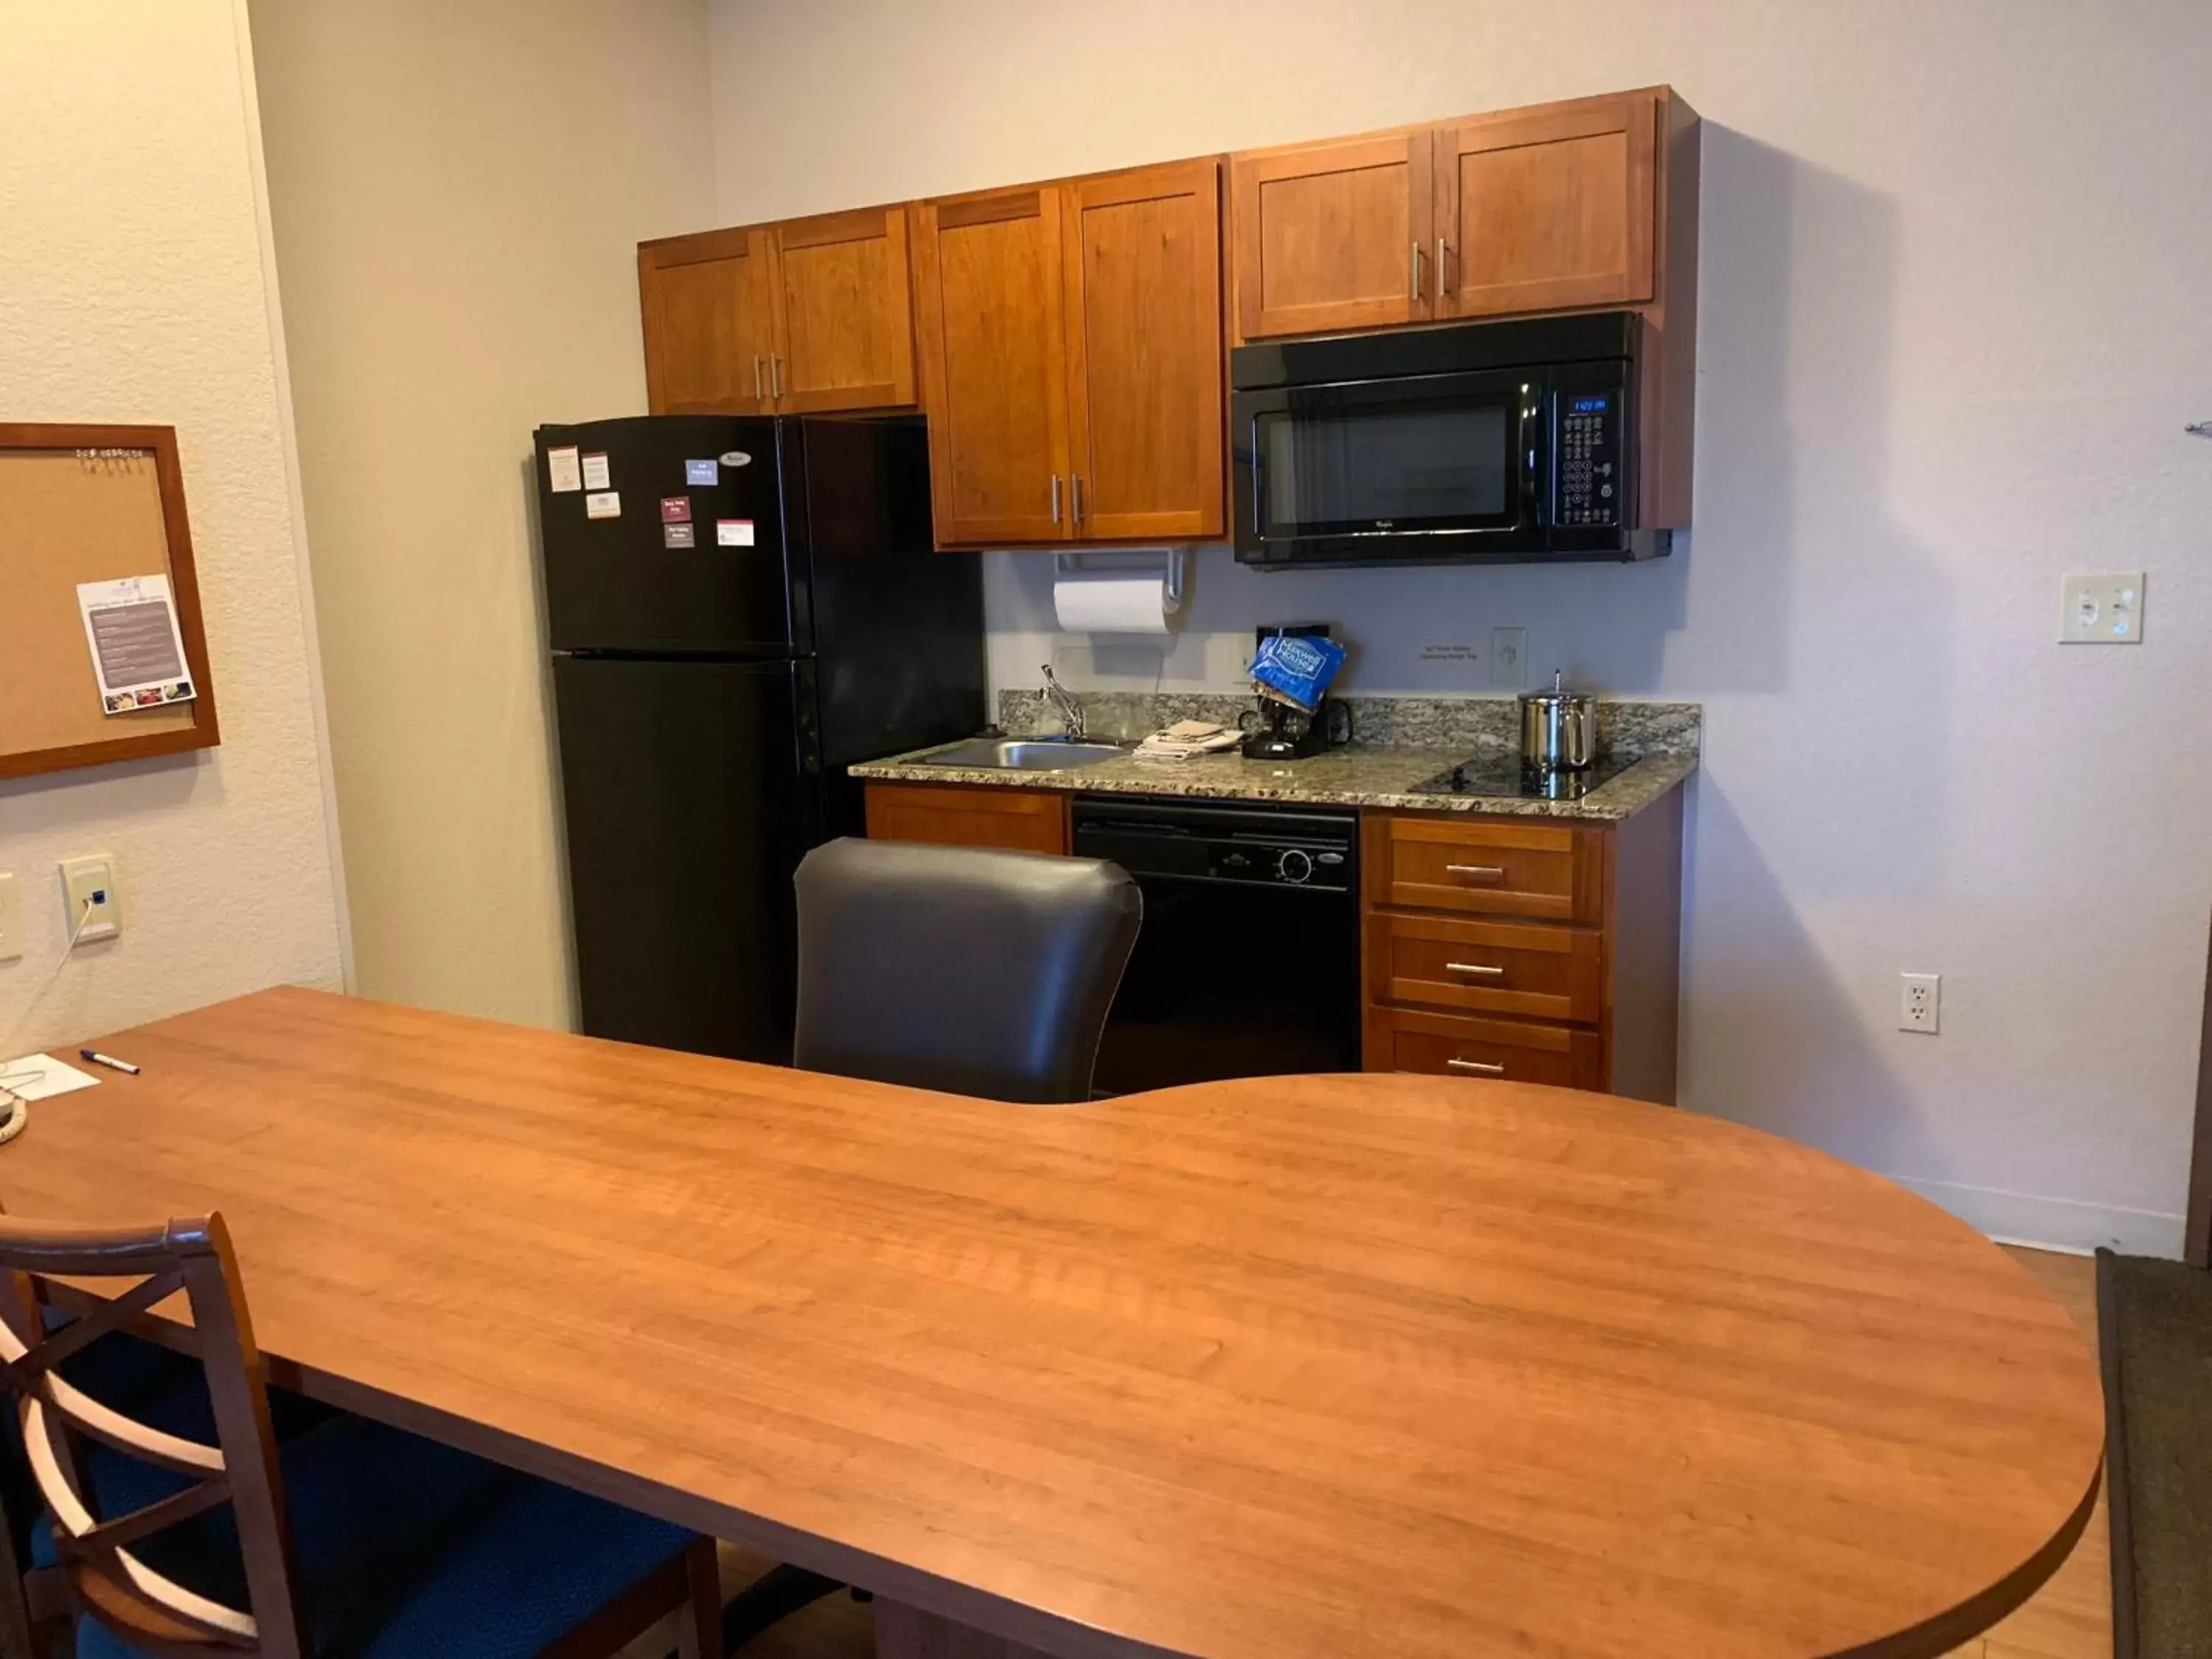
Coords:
pixel 1355 776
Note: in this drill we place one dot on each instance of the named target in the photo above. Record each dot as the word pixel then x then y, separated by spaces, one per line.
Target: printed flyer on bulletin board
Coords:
pixel 138 652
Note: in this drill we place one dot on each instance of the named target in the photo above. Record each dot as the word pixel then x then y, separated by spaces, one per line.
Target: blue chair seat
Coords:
pixel 405 1548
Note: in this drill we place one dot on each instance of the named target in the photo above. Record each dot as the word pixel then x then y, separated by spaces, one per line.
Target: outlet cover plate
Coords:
pixel 1920 1003
pixel 2102 607
pixel 97 880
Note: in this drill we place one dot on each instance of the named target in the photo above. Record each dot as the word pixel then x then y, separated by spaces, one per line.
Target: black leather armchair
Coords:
pixel 963 969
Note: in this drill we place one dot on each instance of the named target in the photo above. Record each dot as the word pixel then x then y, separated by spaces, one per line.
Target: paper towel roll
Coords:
pixel 1111 604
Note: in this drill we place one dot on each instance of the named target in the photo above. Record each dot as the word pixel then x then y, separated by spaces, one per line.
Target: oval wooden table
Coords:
pixel 1326 1366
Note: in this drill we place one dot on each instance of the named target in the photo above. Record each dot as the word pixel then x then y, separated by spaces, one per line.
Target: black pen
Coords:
pixel 108 1060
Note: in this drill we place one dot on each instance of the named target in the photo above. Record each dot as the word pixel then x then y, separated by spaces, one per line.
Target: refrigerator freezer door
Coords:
pixel 690 797
pixel 672 538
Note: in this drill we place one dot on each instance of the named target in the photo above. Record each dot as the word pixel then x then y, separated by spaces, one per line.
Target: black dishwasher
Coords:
pixel 1248 964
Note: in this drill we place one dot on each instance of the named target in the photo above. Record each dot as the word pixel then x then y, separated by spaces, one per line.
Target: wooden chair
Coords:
pixel 371 1539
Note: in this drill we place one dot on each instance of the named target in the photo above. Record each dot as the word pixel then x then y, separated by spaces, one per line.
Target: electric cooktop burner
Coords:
pixel 1505 774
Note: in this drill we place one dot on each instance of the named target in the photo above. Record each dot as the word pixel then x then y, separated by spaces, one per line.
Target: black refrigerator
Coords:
pixel 738 609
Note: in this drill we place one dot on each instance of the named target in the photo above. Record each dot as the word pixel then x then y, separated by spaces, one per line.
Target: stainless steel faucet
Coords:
pixel 1070 710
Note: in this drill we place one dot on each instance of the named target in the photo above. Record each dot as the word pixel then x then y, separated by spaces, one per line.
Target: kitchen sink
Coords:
pixel 1024 754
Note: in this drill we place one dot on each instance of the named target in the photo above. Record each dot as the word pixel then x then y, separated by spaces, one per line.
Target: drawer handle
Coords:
pixel 1482 967
pixel 1475 870
pixel 1481 1065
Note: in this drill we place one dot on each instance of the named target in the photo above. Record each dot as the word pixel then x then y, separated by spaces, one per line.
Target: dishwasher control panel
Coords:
pixel 1256 846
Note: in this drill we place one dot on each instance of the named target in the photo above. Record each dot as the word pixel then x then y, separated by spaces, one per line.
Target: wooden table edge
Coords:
pixel 958 1605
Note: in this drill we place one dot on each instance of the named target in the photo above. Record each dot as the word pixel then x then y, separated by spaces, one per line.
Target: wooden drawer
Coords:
pixel 1453 1045
pixel 1484 866
pixel 1020 820
pixel 1489 967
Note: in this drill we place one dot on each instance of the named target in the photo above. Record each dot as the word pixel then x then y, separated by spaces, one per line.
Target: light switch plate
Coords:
pixel 1508 656
pixel 11 916
pixel 2102 607
pixel 94 879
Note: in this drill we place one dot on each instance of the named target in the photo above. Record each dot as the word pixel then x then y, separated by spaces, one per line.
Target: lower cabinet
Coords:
pixel 1021 820
pixel 1533 950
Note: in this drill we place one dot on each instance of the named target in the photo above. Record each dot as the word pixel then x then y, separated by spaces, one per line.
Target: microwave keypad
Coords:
pixel 1589 461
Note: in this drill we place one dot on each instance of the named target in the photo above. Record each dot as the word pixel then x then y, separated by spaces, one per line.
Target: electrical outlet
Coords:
pixel 2102 608
pixel 95 880
pixel 1508 656
pixel 11 917
pixel 1921 1003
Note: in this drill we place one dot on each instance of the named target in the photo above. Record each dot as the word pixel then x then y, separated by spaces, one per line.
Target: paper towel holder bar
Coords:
pixel 1128 562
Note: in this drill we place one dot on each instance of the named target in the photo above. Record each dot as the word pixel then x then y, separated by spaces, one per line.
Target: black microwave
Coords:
pixel 1511 442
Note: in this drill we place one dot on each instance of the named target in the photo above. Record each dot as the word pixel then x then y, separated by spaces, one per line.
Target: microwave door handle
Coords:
pixel 1533 515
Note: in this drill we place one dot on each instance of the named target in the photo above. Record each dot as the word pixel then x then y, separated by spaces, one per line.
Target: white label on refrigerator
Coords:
pixel 602 504
pixel 734 532
pixel 564 473
pixel 596 475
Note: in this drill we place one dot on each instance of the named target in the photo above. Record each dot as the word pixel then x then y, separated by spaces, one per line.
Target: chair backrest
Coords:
pixel 962 969
pixel 107 1578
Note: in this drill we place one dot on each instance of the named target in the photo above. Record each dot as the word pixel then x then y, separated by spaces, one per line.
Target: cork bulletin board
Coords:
pixel 89 504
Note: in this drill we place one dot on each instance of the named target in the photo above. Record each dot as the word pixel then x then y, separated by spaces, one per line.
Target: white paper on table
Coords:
pixel 39 1077
pixel 137 654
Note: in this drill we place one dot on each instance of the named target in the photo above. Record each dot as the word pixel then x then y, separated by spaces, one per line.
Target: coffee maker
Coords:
pixel 1274 730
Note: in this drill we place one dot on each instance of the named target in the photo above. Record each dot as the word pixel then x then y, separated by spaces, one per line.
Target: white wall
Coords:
pixel 133 289
pixel 458 192
pixel 1953 316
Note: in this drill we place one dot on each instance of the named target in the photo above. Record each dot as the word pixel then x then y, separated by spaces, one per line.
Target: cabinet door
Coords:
pixel 1332 236
pixel 705 301
pixel 1020 820
pixel 1142 255
pixel 844 314
pixel 1540 209
pixel 990 333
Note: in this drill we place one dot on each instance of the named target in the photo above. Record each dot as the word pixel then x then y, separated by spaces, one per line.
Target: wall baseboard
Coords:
pixel 2053 1224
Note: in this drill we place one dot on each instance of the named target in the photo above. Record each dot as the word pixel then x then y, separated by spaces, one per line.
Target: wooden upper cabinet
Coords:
pixel 1546 209
pixel 843 313
pixel 707 303
pixel 1142 258
pixel 793 318
pixel 1331 237
pixel 991 337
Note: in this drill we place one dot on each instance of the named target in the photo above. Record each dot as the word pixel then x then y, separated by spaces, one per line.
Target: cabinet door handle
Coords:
pixel 1075 479
pixel 757 393
pixel 1444 265
pixel 1055 498
pixel 1498 870
pixel 775 374
pixel 1413 275
pixel 1481 1065
pixel 1481 968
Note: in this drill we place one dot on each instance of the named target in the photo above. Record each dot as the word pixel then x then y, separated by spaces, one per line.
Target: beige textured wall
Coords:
pixel 133 289
pixel 1951 323
pixel 457 191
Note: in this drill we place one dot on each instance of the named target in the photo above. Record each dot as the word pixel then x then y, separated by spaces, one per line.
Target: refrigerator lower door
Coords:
pixel 691 793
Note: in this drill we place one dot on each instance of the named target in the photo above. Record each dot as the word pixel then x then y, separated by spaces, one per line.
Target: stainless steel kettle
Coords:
pixel 1559 728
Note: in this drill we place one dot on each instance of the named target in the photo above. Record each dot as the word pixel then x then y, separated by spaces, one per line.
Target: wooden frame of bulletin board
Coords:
pixel 89 504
